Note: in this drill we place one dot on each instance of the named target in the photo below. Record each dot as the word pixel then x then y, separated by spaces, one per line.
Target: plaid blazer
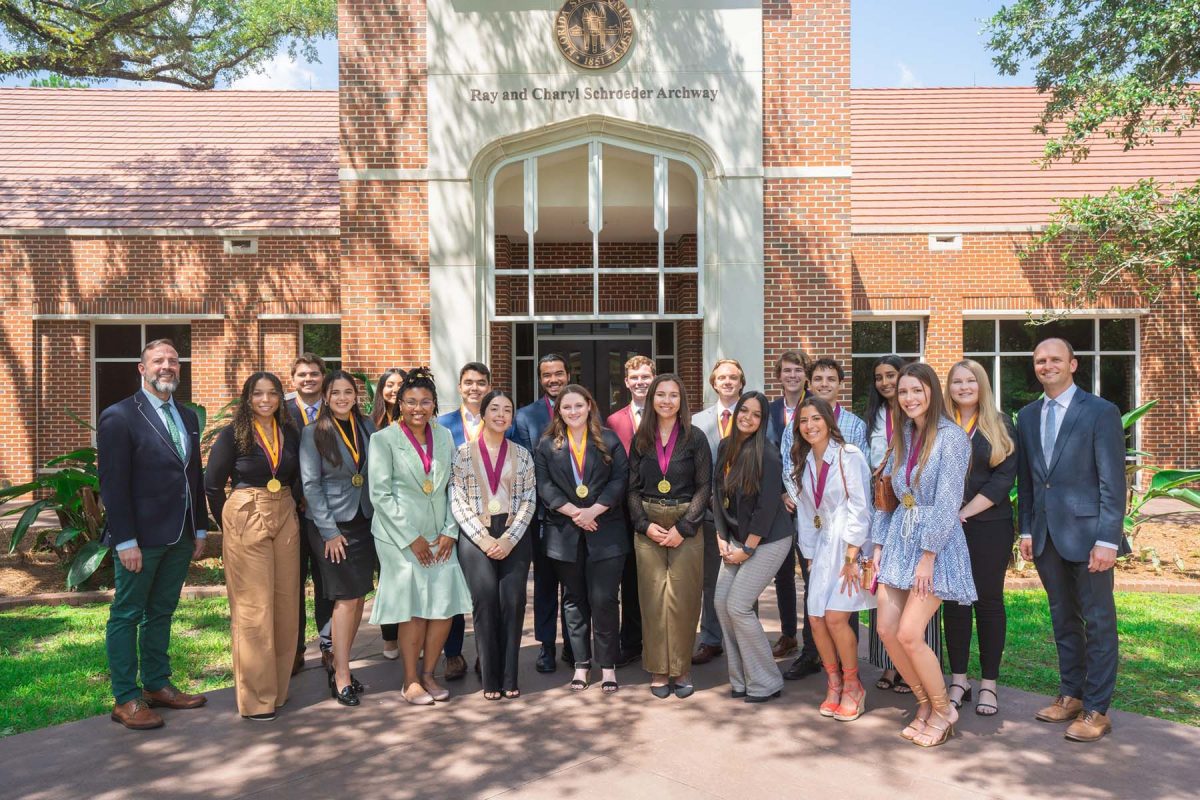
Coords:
pixel 466 496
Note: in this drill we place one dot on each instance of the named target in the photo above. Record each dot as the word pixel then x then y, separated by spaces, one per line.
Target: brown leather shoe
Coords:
pixel 170 697
pixel 706 653
pixel 1090 726
pixel 136 715
pixel 1063 709
pixel 784 647
pixel 298 664
pixel 456 668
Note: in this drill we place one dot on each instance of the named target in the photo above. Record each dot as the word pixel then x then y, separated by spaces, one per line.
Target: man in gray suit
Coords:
pixel 1071 498
pixel 729 381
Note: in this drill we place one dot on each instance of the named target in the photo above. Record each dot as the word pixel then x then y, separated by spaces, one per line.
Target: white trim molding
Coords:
pixel 906 314
pixel 941 229
pixel 139 318
pixel 236 233
pixel 808 173
pixel 313 318
pixel 1010 313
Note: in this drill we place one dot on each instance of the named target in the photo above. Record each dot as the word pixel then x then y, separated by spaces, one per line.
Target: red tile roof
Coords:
pixel 966 158
pixel 101 158
pixel 930 159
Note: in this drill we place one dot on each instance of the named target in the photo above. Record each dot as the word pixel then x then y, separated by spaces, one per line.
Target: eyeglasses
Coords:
pixel 413 405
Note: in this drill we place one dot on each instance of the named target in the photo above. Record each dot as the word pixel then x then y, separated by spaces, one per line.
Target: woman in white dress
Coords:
pixel 829 482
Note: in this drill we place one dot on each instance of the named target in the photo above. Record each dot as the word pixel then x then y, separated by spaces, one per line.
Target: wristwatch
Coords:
pixel 748 550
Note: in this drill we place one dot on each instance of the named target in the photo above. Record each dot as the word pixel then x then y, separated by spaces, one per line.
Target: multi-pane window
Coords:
pixel 871 339
pixel 117 351
pixel 1106 349
pixel 324 340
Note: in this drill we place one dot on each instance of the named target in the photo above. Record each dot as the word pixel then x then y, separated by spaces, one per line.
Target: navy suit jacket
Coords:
pixel 452 421
pixel 1079 499
pixel 150 494
pixel 775 422
pixel 530 424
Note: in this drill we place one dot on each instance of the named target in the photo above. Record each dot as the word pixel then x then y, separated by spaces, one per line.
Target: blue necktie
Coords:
pixel 1051 431
pixel 312 413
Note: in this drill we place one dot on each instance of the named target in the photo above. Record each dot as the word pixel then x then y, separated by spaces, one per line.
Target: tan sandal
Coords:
pixel 913 729
pixel 933 734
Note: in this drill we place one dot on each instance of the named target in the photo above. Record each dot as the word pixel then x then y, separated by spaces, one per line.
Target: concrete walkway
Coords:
pixel 552 743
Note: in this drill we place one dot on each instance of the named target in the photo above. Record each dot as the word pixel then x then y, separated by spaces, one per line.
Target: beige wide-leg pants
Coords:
pixel 261 550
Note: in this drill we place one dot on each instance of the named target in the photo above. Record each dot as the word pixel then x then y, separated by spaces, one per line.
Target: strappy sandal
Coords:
pixel 833 690
pixel 885 682
pixel 935 735
pixel 847 713
pixel 492 695
pixel 512 694
pixel 987 709
pixel 965 697
pixel 914 729
pixel 901 686
pixel 609 687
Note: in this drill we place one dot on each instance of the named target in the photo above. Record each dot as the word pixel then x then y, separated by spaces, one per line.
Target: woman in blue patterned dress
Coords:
pixel 920 548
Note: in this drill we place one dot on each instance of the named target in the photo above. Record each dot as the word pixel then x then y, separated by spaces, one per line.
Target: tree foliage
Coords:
pixel 1113 70
pixel 189 43
pixel 1119 68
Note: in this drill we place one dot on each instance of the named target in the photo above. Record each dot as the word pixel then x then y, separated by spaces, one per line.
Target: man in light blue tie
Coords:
pixel 303 405
pixel 1071 501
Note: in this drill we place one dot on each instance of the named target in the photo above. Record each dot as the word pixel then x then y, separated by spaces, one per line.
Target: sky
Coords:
pixel 905 43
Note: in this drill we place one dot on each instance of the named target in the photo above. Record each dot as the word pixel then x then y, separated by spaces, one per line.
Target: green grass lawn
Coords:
pixel 53 667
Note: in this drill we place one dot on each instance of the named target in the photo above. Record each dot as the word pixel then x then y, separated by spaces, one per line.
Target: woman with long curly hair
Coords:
pixel 260 455
pixel 421 585
pixel 581 475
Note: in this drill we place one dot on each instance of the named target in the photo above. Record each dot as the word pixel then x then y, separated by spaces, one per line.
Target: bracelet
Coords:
pixel 748 550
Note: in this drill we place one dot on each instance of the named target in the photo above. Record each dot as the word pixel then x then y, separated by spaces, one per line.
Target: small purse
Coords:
pixel 881 487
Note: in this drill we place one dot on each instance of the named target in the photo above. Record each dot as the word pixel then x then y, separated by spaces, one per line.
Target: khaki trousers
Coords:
pixel 261 550
pixel 670 581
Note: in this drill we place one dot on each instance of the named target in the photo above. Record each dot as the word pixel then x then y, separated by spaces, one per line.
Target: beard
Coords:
pixel 165 383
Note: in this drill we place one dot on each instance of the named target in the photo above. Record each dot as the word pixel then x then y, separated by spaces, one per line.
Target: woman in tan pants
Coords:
pixel 670 474
pixel 259 454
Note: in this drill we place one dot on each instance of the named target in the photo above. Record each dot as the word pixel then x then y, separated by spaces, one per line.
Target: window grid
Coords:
pixel 135 359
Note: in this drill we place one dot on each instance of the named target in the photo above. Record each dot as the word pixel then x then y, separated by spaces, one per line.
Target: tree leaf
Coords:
pixel 201 415
pixel 1170 478
pixel 1189 496
pixel 28 517
pixel 17 491
pixel 1132 416
pixel 84 455
pixel 85 563
pixel 66 535
pixel 79 419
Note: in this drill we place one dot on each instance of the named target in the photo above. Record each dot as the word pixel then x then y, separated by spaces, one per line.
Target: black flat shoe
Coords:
pixel 753 699
pixel 801 668
pixel 736 695
pixel 356 686
pixel 267 717
pixel 546 661
pixel 683 690
pixel 661 692
pixel 346 696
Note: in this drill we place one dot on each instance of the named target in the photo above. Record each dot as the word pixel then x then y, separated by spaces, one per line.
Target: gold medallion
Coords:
pixel 357 480
pixel 664 486
pixel 581 491
pixel 494 506
pixel 427 486
pixel 908 501
pixel 274 485
pixel 726 502
pixel 817 522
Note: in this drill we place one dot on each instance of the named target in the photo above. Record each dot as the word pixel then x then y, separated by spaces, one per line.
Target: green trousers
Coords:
pixel 139 622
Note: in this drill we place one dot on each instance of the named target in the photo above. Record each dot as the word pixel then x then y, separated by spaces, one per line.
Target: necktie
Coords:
pixel 1051 431
pixel 725 415
pixel 172 428
pixel 637 417
pixel 312 413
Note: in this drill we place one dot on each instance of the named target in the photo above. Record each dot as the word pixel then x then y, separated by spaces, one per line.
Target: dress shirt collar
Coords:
pixel 156 403
pixel 1063 400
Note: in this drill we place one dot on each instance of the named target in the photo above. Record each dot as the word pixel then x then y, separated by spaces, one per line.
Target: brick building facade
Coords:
pixel 403 219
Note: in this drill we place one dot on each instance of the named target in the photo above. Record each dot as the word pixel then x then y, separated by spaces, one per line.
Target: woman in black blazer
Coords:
pixel 987 518
pixel 581 475
pixel 755 533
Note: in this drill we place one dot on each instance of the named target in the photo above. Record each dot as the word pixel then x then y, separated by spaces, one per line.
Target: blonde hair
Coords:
pixel 990 424
pixel 712 376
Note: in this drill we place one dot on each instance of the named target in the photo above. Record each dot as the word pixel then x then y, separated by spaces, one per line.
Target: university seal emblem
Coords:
pixel 594 34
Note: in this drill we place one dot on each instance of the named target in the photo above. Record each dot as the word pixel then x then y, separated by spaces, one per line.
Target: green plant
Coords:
pixel 369 405
pixel 72 492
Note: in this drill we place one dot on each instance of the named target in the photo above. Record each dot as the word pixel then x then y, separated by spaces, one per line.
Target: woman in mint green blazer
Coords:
pixel 421 585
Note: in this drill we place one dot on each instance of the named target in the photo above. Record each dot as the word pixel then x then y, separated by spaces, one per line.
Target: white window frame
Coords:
pixel 595 145
pixel 141 323
pixel 920 320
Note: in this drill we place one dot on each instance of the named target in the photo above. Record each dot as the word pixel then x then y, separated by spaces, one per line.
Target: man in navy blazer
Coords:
pixel 464 423
pixel 149 462
pixel 791 372
pixel 1071 499
pixel 530 424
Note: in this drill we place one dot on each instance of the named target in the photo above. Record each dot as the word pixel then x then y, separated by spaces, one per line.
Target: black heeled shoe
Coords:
pixel 354 686
pixel 750 698
pixel 346 696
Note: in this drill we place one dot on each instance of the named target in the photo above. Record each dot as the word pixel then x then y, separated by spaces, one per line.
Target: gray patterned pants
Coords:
pixel 752 668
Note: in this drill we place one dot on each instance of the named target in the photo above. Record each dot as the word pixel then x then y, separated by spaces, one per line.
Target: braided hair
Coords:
pixel 419 378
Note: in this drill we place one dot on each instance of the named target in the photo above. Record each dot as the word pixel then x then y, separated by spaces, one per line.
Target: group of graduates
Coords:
pixel 639 528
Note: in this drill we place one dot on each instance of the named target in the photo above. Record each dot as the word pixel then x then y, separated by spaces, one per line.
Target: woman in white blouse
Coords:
pixel 829 482
pixel 492 495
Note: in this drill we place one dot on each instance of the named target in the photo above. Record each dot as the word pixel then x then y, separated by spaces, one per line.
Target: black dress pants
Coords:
pixel 310 561
pixel 990 546
pixel 498 598
pixel 592 607
pixel 785 594
pixel 631 608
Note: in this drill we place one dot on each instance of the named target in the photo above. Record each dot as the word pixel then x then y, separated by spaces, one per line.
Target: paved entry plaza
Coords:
pixel 553 743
